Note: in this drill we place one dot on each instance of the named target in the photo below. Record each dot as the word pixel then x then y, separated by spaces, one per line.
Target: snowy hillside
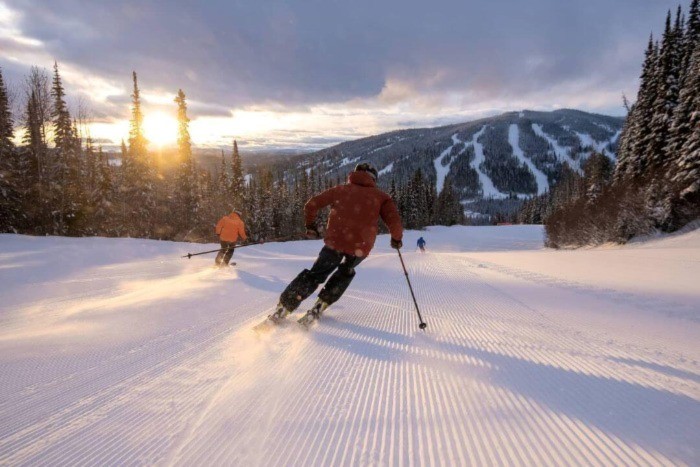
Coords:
pixel 118 352
pixel 515 153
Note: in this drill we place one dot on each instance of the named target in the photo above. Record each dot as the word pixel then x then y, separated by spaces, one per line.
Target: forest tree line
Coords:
pixel 57 181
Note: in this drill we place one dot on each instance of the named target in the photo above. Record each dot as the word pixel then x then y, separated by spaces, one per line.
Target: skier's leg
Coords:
pixel 229 252
pixel 220 254
pixel 309 279
pixel 340 280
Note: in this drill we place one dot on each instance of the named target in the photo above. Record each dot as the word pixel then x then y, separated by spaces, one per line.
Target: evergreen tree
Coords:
pixel 10 195
pixel 686 173
pixel 102 195
pixel 6 122
pixel 635 135
pixel 691 39
pixel 138 188
pixel 448 209
pixel 187 192
pixel 597 171
pixel 223 187
pixel 666 96
pixel 237 180
pixel 63 127
pixel 681 126
pixel 66 193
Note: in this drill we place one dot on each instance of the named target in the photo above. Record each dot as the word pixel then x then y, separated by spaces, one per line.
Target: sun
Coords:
pixel 160 128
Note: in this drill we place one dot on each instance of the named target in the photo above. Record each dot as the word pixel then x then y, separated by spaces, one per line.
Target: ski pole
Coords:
pixel 189 255
pixel 422 324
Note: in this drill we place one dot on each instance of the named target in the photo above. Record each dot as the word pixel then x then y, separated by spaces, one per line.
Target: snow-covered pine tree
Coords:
pixel 249 207
pixel 681 127
pixel 448 209
pixel 10 193
pixel 102 195
pixel 666 96
pixel 138 174
pixel 638 120
pixel 686 172
pixel 187 194
pixel 67 197
pixel 392 191
pixel 597 171
pixel 691 38
pixel 222 187
pixel 237 180
pixel 6 121
pixel 265 200
pixel 643 114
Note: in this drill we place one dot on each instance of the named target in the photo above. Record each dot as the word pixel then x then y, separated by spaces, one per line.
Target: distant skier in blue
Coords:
pixel 421 244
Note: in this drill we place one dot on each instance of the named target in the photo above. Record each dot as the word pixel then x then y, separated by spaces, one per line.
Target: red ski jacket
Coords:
pixel 355 209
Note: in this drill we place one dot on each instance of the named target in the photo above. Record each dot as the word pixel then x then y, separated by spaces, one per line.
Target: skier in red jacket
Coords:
pixel 350 235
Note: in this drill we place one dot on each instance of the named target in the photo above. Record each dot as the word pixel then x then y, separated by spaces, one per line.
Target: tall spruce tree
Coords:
pixel 138 174
pixel 102 195
pixel 223 187
pixel 187 190
pixel 237 180
pixel 448 209
pixel 67 193
pixel 686 173
pixel 681 127
pixel 633 140
pixel 666 97
pixel 6 122
pixel 10 194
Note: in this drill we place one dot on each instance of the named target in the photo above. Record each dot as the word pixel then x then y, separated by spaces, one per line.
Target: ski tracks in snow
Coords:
pixel 498 378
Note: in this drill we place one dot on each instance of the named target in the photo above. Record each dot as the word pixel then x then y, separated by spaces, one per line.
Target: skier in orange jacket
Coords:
pixel 229 229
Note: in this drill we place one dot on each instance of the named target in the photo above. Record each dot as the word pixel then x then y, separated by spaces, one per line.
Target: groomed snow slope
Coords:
pixel 116 351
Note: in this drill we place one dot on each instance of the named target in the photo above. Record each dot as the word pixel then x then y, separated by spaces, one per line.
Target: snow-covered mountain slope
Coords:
pixel 117 351
pixel 521 152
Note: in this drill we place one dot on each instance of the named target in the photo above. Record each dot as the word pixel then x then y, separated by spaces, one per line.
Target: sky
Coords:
pixel 307 74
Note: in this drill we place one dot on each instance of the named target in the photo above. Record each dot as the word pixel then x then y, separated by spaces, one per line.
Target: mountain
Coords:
pixel 516 154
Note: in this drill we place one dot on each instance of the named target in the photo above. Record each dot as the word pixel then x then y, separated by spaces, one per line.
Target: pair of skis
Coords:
pixel 304 322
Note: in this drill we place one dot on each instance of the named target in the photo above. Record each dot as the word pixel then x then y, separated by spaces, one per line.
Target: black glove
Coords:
pixel 396 244
pixel 312 231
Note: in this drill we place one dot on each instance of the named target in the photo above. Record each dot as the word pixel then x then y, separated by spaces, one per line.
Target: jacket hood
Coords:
pixel 361 178
pixel 235 214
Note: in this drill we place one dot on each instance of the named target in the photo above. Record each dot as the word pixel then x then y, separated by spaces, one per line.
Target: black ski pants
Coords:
pixel 308 280
pixel 225 254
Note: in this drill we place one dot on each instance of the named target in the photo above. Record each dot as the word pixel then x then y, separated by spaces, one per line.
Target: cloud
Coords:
pixel 365 65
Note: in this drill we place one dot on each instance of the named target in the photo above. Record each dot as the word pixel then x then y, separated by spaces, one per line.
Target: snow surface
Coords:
pixel 488 189
pixel 348 161
pixel 514 141
pixel 381 147
pixel 118 352
pixel 599 146
pixel 441 170
pixel 561 152
pixel 387 169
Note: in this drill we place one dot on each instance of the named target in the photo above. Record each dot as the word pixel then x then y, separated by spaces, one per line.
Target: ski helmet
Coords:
pixel 367 167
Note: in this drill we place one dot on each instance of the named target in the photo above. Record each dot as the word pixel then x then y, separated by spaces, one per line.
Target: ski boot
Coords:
pixel 280 313
pixel 272 320
pixel 314 313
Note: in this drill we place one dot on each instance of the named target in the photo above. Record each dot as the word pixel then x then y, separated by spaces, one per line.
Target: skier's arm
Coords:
pixel 390 216
pixel 219 227
pixel 317 203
